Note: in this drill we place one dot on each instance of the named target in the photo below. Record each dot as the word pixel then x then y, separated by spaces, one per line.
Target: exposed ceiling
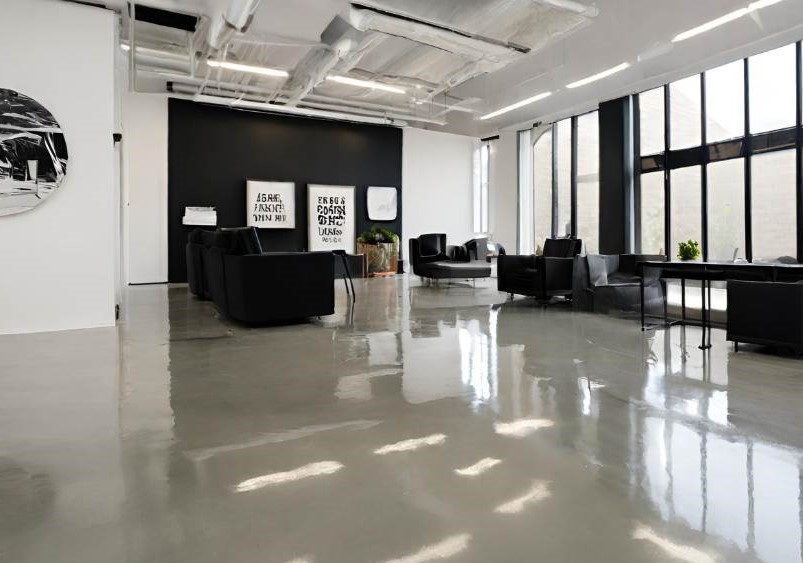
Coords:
pixel 455 60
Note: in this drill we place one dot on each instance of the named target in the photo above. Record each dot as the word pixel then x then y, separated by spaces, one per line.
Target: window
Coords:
pixel 542 182
pixel 724 102
pixel 773 199
pixel 651 119
pixel 685 207
pixel 564 156
pixel 652 213
pixel 773 85
pixel 726 233
pixel 481 180
pixel 684 110
pixel 588 181
pixel 526 206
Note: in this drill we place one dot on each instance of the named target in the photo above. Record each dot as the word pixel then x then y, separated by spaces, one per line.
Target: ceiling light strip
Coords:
pixel 517 105
pixel 722 20
pixel 365 84
pixel 599 75
pixel 239 67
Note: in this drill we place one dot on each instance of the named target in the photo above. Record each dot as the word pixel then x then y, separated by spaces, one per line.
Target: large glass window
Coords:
pixel 724 102
pixel 651 121
pixel 588 181
pixel 482 177
pixel 684 108
pixel 773 85
pixel 563 228
pixel 686 207
pixel 652 213
pixel 526 205
pixel 774 206
pixel 726 236
pixel 542 182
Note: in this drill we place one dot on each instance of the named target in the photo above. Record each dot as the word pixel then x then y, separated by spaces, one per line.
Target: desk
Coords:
pixel 706 272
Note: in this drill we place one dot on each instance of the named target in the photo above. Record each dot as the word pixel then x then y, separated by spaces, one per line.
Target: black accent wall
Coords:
pixel 212 150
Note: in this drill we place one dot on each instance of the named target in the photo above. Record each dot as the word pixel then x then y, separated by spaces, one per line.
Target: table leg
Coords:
pixel 683 300
pixel 351 281
pixel 641 285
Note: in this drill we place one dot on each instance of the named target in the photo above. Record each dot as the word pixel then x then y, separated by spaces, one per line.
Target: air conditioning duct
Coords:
pixel 234 19
pixel 571 6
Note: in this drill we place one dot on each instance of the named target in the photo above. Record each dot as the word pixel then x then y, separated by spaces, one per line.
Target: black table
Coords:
pixel 707 272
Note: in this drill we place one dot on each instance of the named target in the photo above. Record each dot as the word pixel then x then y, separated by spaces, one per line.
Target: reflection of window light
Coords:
pixel 478 468
pixel 674 550
pixel 474 360
pixel 311 470
pixel 412 444
pixel 538 492
pixel 449 547
pixel 522 427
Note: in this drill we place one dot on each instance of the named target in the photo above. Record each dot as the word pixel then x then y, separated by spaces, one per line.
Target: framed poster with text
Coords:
pixel 270 205
pixel 332 218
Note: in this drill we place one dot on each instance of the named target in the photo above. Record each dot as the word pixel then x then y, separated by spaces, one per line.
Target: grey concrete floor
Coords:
pixel 424 424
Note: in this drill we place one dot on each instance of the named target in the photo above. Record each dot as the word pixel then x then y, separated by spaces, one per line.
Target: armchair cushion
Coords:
pixel 597 270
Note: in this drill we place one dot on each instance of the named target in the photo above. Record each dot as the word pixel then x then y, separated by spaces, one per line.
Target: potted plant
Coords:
pixel 688 250
pixel 381 248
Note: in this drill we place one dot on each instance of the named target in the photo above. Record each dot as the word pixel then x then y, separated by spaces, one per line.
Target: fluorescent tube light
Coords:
pixel 248 68
pixel 365 84
pixel 517 105
pixel 722 20
pixel 599 76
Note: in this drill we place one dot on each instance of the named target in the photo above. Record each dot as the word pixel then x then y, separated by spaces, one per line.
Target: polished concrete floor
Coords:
pixel 423 424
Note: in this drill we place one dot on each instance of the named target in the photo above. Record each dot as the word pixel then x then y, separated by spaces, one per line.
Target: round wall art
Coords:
pixel 33 153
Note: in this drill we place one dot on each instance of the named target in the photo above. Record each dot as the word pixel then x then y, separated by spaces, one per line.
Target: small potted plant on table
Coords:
pixel 688 250
pixel 381 249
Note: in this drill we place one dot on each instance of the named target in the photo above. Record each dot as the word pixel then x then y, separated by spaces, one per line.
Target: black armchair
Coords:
pixel 766 313
pixel 254 287
pixel 431 258
pixel 606 283
pixel 540 276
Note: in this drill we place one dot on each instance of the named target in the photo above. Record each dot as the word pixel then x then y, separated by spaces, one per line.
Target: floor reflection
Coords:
pixel 503 428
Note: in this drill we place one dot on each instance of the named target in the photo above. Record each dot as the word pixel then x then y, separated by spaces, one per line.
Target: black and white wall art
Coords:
pixel 382 203
pixel 332 218
pixel 270 205
pixel 33 153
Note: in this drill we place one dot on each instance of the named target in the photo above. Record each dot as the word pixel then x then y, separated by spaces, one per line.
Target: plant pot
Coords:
pixel 381 257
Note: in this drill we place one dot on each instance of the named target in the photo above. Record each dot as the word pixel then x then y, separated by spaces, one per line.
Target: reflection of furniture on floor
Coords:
pixel 431 258
pixel 707 272
pixel 250 286
pixel 343 270
pixel 198 241
pixel 544 276
pixel 767 313
pixel 606 283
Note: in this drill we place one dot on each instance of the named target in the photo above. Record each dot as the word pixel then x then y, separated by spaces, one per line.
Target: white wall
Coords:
pixel 437 189
pixel 145 186
pixel 57 261
pixel 504 191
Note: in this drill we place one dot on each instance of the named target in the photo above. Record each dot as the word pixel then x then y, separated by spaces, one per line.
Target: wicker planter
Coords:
pixel 381 258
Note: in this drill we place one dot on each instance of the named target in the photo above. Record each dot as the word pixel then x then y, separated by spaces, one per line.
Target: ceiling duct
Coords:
pixel 571 6
pixel 369 18
pixel 234 19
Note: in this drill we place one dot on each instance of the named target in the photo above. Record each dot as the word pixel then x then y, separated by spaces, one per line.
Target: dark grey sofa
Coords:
pixel 431 258
pixel 613 284
pixel 767 313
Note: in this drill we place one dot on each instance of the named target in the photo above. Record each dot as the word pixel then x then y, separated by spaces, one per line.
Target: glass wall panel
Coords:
pixel 652 213
pixel 724 102
pixel 588 181
pixel 526 205
pixel 773 86
pixel 685 111
pixel 542 182
pixel 774 206
pixel 651 121
pixel 563 228
pixel 686 207
pixel 726 233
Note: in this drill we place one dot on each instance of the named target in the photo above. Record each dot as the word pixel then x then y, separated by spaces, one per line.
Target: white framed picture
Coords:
pixel 382 203
pixel 332 217
pixel 270 205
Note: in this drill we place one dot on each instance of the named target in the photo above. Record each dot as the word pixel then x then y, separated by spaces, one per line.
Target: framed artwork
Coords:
pixel 33 153
pixel 332 217
pixel 383 203
pixel 270 205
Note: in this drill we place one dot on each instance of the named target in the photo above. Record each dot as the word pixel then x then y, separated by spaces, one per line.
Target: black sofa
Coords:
pixel 766 313
pixel 250 286
pixel 606 283
pixel 544 276
pixel 431 258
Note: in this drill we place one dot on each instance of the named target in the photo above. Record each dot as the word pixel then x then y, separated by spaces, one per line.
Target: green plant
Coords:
pixel 377 235
pixel 688 250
